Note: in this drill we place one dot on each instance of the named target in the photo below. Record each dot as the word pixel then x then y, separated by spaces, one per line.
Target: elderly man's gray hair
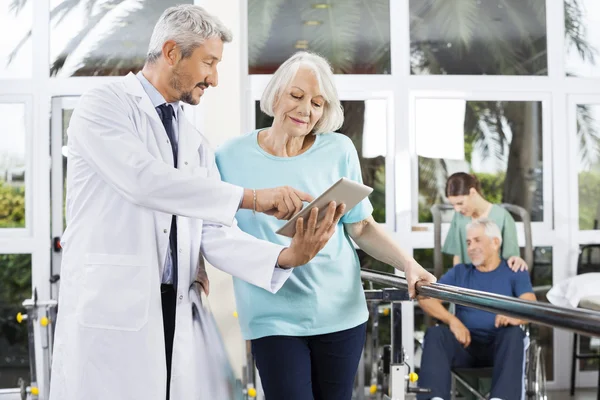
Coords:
pixel 333 114
pixel 491 229
pixel 188 25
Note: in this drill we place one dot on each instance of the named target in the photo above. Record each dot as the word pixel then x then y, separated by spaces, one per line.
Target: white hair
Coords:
pixel 491 229
pixel 333 113
pixel 188 25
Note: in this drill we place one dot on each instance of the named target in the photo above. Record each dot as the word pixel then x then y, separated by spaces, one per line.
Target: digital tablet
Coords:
pixel 343 191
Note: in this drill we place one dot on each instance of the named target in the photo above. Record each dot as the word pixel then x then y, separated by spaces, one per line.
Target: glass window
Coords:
pixel 541 279
pixel 103 37
pixel 582 37
pixel 364 123
pixel 12 166
pixel 353 35
pixel 66 119
pixel 15 286
pixel 502 147
pixel 588 137
pixel 588 262
pixel 16 19
pixel 482 37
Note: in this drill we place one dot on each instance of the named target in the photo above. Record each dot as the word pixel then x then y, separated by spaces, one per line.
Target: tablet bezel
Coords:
pixel 344 191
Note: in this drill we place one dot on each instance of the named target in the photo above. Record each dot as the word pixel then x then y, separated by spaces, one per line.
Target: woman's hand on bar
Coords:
pixel 416 276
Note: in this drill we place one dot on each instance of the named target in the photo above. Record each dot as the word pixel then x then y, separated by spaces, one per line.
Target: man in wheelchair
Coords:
pixel 474 338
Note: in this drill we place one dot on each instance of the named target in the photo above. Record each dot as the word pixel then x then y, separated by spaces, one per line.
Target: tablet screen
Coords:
pixel 344 191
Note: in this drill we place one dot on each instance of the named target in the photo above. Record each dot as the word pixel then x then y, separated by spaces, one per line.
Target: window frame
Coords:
pixel 30 178
pixel 423 230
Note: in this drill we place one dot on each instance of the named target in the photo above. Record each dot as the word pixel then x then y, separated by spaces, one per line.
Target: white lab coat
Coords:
pixel 121 192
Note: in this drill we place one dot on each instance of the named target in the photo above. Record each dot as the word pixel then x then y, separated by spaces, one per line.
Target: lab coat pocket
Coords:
pixel 115 293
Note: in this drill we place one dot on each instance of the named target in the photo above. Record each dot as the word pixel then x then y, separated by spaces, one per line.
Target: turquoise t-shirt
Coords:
pixel 326 294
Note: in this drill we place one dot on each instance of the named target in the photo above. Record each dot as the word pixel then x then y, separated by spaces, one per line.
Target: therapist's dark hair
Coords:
pixel 187 25
pixel 461 183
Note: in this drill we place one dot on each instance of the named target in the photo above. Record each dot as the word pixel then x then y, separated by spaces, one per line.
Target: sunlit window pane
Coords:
pixel 12 166
pixel 588 137
pixel 103 37
pixel 354 35
pixel 502 147
pixel 16 19
pixel 582 38
pixel 478 37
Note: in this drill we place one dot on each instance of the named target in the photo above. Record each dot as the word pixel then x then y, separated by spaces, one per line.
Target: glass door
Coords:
pixel 62 109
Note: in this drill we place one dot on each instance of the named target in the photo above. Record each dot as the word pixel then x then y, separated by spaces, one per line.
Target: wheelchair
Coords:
pixel 534 373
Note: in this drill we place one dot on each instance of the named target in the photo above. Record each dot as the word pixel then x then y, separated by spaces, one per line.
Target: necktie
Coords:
pixel 166 116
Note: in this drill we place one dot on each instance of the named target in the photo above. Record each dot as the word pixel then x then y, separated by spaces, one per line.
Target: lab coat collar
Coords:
pixel 134 87
pixel 187 132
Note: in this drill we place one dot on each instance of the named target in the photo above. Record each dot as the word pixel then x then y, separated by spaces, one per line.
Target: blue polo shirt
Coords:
pixel 325 295
pixel 501 281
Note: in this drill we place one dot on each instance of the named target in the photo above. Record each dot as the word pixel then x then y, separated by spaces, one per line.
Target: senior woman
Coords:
pixel 307 339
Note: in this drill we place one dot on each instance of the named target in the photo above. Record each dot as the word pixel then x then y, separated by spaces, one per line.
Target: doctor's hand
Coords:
pixel 310 238
pixel 282 202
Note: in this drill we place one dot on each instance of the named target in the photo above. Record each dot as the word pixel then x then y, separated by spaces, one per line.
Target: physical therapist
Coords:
pixel 144 202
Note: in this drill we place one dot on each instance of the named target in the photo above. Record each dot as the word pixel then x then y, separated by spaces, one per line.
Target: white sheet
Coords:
pixel 570 292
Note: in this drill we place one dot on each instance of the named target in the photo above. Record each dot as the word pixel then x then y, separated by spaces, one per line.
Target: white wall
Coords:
pixel 221 120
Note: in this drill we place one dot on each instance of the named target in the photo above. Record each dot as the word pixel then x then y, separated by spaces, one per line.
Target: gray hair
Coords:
pixel 333 113
pixel 491 229
pixel 188 25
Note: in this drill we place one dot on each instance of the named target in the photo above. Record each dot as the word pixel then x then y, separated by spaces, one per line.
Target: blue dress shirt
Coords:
pixel 157 99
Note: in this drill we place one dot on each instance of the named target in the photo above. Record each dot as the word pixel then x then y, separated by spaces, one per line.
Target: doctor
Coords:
pixel 144 201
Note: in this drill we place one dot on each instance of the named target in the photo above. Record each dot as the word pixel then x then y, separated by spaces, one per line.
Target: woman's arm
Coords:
pixel 379 244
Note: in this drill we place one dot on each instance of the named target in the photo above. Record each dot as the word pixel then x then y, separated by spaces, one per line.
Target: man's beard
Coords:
pixel 476 263
pixel 177 83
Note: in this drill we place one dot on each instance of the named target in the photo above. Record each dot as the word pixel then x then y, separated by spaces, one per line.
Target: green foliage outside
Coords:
pixel 15 286
pixel 12 206
pixel 589 199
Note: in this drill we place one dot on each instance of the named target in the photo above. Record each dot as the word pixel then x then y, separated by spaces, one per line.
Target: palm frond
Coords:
pixel 457 20
pixel 101 47
pixel 74 43
pixel 58 12
pixel 588 133
pixel 336 38
pixel 539 10
pixel 576 31
pixel 261 14
pixel 432 178
pixel 379 54
pixel 16 6
pixel 14 52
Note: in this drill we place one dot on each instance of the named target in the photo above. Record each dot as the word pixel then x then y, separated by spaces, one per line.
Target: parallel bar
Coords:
pixel 585 322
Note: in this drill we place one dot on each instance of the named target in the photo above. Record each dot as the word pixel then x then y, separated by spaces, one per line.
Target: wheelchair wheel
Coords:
pixel 535 373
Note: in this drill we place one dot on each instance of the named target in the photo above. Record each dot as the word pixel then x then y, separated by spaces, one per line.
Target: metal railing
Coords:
pixel 574 319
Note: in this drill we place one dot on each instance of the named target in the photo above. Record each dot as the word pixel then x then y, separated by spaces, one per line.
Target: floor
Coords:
pixel 580 394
